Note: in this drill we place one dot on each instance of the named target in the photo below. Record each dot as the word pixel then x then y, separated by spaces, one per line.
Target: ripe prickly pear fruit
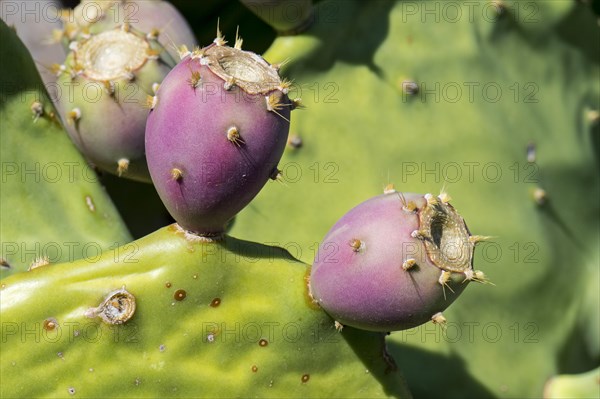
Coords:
pixel 104 84
pixel 216 133
pixel 394 262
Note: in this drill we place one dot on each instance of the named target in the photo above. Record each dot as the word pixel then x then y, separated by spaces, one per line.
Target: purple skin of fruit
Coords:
pixel 211 141
pixel 379 267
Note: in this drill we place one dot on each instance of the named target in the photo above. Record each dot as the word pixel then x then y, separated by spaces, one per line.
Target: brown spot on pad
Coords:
pixel 179 295
pixel 50 324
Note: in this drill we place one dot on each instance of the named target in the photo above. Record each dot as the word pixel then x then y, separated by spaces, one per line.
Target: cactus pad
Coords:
pixel 175 317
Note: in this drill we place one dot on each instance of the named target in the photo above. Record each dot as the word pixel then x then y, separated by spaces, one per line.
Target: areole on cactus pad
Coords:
pixel 218 127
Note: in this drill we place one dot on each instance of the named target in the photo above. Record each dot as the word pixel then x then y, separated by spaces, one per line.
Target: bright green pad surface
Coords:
pixel 184 348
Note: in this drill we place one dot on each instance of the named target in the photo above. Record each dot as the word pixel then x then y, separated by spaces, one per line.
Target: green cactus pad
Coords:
pixel 585 385
pixel 364 127
pixel 286 17
pixel 51 202
pixel 225 319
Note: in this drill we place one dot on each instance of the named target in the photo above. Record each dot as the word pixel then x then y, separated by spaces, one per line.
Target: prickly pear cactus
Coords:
pixel 216 131
pixel 52 207
pixel 394 262
pixel 499 106
pixel 173 316
pixel 495 102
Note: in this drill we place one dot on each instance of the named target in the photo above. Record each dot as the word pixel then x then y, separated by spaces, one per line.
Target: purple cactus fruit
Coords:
pixel 394 262
pixel 105 82
pixel 216 134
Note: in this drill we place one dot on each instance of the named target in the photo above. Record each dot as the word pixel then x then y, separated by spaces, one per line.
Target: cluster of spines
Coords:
pixel 38 111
